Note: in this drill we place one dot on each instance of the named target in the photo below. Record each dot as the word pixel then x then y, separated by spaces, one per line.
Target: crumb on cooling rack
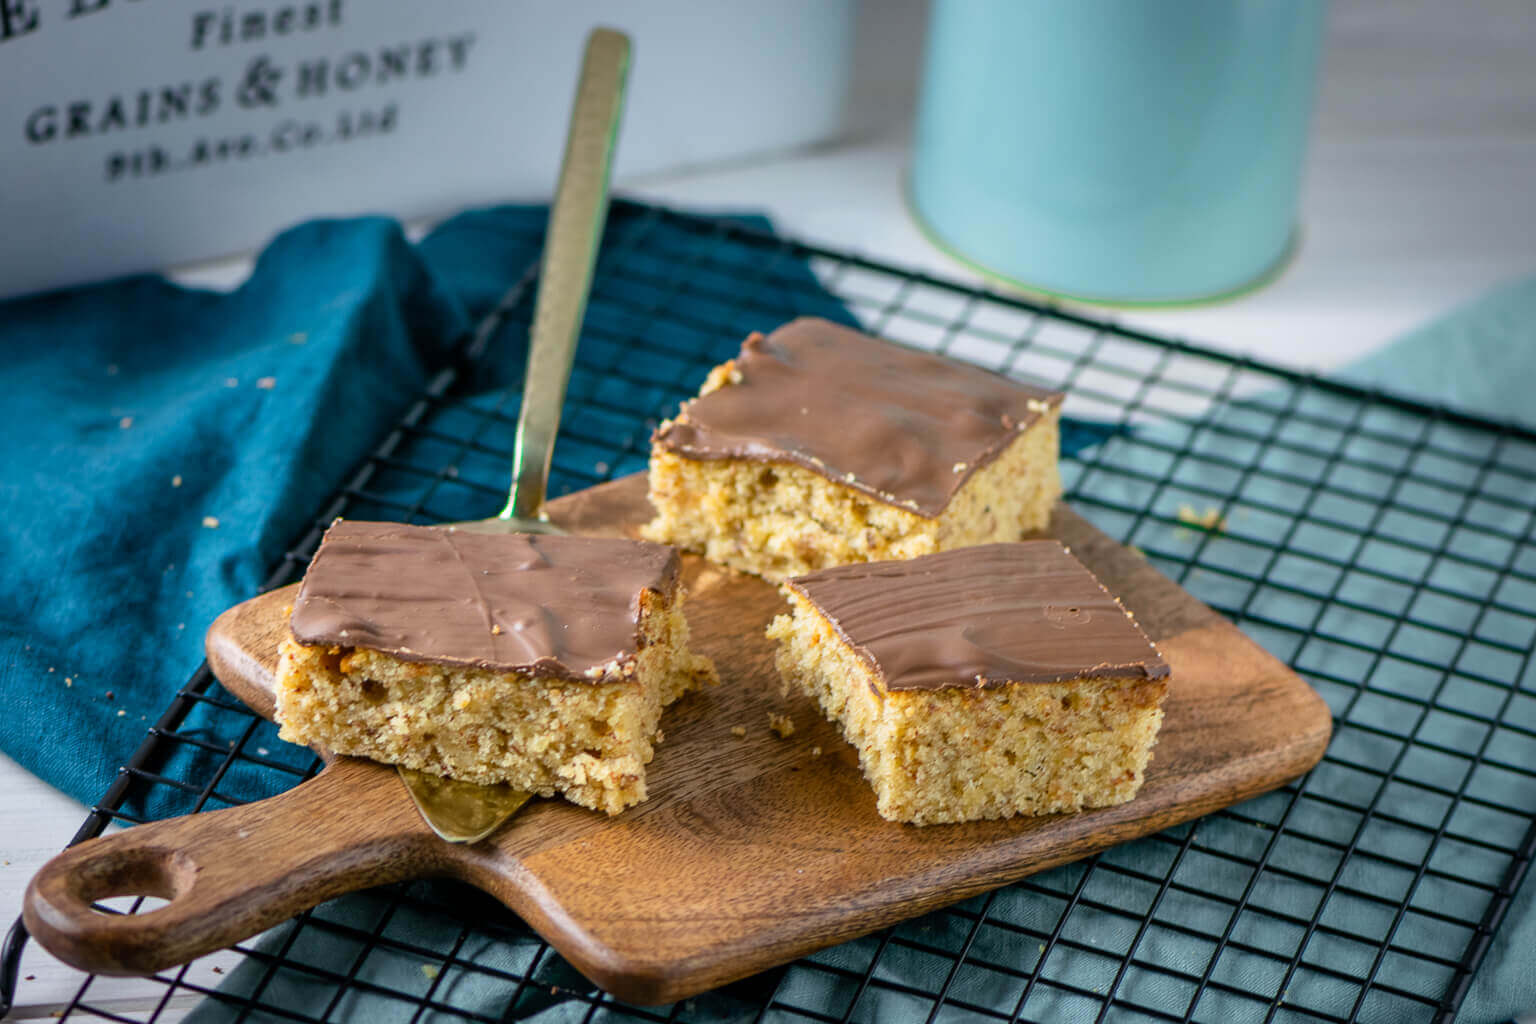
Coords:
pixel 1211 519
pixel 781 725
pixel 739 731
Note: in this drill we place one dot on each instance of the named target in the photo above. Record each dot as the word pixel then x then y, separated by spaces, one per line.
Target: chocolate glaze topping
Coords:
pixel 982 616
pixel 565 607
pixel 907 428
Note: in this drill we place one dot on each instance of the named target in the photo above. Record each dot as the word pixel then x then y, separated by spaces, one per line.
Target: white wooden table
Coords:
pixel 1419 197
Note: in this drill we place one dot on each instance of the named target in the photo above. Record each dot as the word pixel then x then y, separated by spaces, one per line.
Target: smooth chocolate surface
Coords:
pixel 566 607
pixel 982 616
pixel 905 427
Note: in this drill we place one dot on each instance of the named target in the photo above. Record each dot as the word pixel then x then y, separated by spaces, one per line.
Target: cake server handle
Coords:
pixel 570 256
pixel 463 812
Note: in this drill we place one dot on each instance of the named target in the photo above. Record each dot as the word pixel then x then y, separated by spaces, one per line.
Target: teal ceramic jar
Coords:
pixel 1137 151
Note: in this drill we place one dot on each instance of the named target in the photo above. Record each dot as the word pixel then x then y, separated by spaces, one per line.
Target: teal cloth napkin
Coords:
pixel 162 445
pixel 1481 357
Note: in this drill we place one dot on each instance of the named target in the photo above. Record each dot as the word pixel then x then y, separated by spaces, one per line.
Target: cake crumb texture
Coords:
pixel 778 520
pixel 586 740
pixel 969 753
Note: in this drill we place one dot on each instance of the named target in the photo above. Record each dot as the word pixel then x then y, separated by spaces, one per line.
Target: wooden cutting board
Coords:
pixel 750 852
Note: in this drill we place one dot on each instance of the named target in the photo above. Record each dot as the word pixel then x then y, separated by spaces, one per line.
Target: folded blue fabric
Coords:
pixel 1480 357
pixel 161 447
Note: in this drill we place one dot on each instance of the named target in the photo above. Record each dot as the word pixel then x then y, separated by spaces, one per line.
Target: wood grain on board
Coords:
pixel 750 851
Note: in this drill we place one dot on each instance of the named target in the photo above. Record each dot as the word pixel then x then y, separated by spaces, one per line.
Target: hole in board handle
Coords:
pixel 112 883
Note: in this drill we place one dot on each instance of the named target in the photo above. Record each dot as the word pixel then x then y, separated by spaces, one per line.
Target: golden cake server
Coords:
pixel 464 812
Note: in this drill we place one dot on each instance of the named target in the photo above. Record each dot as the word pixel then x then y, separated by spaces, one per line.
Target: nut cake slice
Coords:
pixel 541 661
pixel 820 446
pixel 980 683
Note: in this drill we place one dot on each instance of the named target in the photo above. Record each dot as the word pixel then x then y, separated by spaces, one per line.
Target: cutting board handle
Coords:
pixel 228 874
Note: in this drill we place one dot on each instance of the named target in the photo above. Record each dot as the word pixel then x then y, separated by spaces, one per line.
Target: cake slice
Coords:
pixel 819 446
pixel 539 661
pixel 980 683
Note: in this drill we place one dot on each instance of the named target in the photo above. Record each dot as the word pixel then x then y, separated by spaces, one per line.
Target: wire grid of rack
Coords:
pixel 1382 547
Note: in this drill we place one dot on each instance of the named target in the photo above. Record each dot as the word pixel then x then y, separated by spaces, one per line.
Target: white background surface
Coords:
pixel 1421 194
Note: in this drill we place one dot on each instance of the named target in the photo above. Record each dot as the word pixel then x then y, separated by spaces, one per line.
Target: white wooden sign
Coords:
pixel 135 134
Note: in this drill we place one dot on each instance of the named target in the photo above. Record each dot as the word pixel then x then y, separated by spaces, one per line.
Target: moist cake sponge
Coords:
pixel 539 661
pixel 983 683
pixel 820 446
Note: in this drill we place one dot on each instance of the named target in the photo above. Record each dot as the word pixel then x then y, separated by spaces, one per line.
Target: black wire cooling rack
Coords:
pixel 1382 547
